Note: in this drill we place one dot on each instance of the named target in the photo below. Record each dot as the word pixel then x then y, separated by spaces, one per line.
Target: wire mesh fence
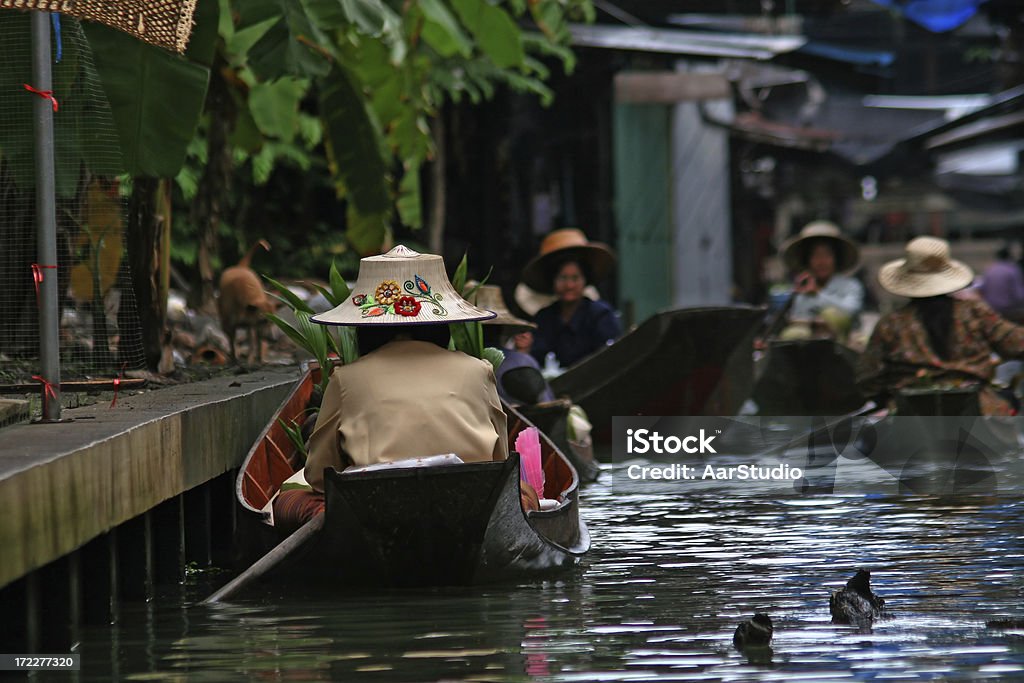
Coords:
pixel 99 319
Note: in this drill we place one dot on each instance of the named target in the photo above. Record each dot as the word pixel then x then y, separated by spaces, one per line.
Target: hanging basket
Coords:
pixel 164 23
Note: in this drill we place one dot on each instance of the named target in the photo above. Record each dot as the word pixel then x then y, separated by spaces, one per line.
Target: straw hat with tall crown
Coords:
pixel 926 270
pixel 795 250
pixel 567 243
pixel 489 297
pixel 402 287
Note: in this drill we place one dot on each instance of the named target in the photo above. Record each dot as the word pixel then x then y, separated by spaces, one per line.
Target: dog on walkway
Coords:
pixel 243 303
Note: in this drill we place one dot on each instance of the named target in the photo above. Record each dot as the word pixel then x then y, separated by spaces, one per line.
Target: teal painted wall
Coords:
pixel 642 165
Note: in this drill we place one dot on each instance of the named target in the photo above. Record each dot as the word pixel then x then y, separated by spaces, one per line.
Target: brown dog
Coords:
pixel 243 302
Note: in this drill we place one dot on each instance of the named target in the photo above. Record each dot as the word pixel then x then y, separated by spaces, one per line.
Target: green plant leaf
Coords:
pixel 339 288
pixel 459 278
pixel 441 30
pixel 354 144
pixel 495 356
pixel 156 99
pixel 366 232
pixel 409 200
pixel 292 45
pixel 289 330
pixel 494 30
pixel 275 106
pixel 288 297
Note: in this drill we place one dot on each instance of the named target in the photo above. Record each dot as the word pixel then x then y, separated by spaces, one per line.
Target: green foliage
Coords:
pixel 321 341
pixel 468 337
pixel 294 433
pixel 155 97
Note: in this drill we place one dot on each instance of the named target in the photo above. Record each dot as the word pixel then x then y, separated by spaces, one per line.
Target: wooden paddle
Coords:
pixel 778 320
pixel 865 409
pixel 270 560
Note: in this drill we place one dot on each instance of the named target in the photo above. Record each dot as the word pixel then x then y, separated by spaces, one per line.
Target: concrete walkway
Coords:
pixel 61 485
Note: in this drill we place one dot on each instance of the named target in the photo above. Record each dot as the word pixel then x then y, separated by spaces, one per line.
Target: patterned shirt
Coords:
pixel 899 354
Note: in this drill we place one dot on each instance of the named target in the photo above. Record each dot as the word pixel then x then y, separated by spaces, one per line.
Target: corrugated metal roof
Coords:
pixel 674 41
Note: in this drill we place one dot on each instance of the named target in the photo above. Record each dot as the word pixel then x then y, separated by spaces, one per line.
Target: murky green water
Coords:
pixel 672 571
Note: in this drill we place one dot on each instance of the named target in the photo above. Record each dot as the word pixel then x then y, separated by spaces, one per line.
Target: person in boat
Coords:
pixel 826 296
pixel 574 326
pixel 938 339
pixel 519 376
pixel 1002 286
pixel 407 395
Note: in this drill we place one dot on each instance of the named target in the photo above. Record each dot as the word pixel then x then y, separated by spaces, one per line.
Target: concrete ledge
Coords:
pixel 61 485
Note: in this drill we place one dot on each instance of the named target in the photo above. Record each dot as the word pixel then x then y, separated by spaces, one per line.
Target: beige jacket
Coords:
pixel 407 399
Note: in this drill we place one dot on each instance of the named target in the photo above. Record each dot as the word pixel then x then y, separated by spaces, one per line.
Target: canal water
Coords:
pixel 673 570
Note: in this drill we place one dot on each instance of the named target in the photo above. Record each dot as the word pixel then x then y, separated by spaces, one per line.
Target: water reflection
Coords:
pixel 672 572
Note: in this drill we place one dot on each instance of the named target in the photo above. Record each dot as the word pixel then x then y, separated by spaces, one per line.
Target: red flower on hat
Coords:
pixel 359 299
pixel 407 306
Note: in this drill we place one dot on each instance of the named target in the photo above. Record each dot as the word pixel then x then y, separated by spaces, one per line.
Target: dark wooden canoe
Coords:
pixel 690 361
pixel 416 526
pixel 808 377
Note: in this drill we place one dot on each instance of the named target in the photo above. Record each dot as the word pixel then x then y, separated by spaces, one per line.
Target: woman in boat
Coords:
pixel 407 395
pixel 574 326
pixel 937 339
pixel 824 294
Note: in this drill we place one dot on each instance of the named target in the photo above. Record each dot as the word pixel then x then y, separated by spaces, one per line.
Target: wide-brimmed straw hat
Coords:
pixel 567 244
pixel 926 270
pixel 402 287
pixel 795 250
pixel 490 298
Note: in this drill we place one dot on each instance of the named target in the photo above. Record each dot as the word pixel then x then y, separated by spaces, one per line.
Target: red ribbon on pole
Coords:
pixel 48 393
pixel 117 383
pixel 37 277
pixel 45 94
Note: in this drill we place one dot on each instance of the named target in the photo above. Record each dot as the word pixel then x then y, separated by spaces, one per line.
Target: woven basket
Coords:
pixel 165 23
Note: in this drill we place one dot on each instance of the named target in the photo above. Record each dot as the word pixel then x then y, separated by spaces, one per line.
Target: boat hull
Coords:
pixel 443 525
pixel 695 361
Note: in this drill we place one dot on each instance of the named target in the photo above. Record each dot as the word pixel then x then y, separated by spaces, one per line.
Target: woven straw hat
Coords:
pixel 402 287
pixel 489 297
pixel 795 250
pixel 164 23
pixel 567 243
pixel 926 270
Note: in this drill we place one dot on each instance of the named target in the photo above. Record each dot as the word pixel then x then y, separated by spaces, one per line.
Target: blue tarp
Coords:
pixel 935 15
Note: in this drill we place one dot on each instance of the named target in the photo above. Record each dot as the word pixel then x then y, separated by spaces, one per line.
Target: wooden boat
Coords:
pixel 690 361
pixel 808 377
pixel 452 524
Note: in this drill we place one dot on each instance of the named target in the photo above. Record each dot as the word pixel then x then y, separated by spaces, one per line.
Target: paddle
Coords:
pixel 775 324
pixel 270 560
pixel 865 409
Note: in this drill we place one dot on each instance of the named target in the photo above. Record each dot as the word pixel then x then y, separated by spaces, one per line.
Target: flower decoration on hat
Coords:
pixel 407 306
pixel 387 292
pixel 388 298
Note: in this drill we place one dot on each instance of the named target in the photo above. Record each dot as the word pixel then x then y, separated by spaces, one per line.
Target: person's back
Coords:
pixel 936 339
pixel 1002 285
pixel 404 400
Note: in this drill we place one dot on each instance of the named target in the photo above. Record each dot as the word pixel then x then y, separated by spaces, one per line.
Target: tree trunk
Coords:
pixel 145 228
pixel 438 189
pixel 212 195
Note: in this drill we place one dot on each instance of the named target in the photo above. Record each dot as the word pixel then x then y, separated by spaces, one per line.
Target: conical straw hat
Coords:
pixel 490 298
pixel 402 287
pixel 794 251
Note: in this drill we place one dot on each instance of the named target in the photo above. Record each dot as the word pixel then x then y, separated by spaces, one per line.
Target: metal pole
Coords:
pixel 46 220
